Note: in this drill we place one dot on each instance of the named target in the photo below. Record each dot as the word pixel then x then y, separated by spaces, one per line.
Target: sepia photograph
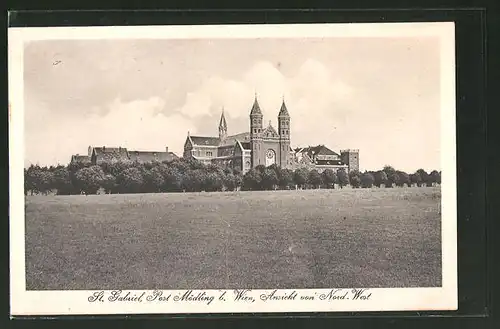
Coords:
pixel 308 165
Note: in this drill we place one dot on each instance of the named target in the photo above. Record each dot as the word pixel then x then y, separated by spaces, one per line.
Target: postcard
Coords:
pixel 232 169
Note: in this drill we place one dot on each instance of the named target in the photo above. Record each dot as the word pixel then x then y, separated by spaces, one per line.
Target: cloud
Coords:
pixel 311 94
pixel 137 125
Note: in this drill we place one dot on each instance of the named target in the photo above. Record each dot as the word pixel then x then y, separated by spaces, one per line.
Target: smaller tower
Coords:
pixel 256 134
pixel 350 158
pixel 222 127
pixel 284 133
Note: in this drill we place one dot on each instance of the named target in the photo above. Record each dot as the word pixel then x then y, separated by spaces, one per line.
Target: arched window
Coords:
pixel 270 157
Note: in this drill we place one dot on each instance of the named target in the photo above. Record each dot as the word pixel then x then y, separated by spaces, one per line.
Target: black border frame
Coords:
pixel 472 28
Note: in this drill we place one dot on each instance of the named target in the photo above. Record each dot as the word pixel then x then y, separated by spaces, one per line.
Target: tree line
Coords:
pixel 274 177
pixel 187 175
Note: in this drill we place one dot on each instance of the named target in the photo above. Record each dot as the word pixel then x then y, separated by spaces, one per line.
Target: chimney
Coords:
pixel 166 149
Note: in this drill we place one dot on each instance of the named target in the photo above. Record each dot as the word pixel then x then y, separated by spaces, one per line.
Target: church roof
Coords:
pixel 283 110
pixel 111 153
pixel 215 141
pixel 80 158
pixel 242 137
pixel 255 108
pixel 209 141
pixel 316 150
pixel 150 156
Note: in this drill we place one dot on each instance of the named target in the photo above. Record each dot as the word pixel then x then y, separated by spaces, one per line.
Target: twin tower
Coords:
pixel 266 145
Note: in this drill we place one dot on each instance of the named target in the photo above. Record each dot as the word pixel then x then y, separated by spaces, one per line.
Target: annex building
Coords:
pixel 265 145
pixel 98 155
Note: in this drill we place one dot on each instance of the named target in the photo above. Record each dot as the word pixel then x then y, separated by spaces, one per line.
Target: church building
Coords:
pixel 260 146
pixel 265 146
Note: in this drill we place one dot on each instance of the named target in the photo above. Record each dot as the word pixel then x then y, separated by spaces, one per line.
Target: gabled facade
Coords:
pixel 77 158
pixel 320 158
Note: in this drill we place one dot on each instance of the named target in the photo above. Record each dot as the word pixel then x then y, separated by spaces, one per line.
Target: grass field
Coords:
pixel 275 239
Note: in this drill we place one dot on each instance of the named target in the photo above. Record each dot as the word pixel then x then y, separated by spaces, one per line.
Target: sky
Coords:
pixel 378 95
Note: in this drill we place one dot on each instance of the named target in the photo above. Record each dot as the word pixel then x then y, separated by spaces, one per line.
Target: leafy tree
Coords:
pixel 367 180
pixel 109 183
pixel 115 167
pixel 73 167
pixel 252 180
pixel 260 168
pixel 393 179
pixel 173 180
pixel 392 176
pixel 269 179
pixel 355 181
pixel 355 178
pixel 342 177
pixel 185 165
pixel 32 179
pixel 194 180
pixel 195 164
pixel 62 181
pixel 415 179
pixel 238 180
pixel 89 179
pixel 130 180
pixel 285 178
pixel 46 181
pixel 300 176
pixel 388 170
pixel 230 181
pixel 314 178
pixel 435 177
pixel 237 172
pixel 329 178
pixel 380 178
pixel 275 167
pixel 403 178
pixel 213 168
pixel 153 179
pixel 212 182
pixel 424 176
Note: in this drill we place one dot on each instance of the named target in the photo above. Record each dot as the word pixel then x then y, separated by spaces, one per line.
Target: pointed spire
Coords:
pixel 256 108
pixel 283 109
pixel 222 123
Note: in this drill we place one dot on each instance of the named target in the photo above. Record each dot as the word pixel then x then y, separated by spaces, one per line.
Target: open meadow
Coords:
pixel 258 240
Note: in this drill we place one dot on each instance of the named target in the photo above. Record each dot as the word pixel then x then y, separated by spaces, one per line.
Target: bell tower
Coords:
pixel 256 134
pixel 284 133
pixel 222 128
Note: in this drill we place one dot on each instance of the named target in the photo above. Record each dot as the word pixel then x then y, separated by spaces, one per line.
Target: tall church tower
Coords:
pixel 256 134
pixel 222 127
pixel 284 133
